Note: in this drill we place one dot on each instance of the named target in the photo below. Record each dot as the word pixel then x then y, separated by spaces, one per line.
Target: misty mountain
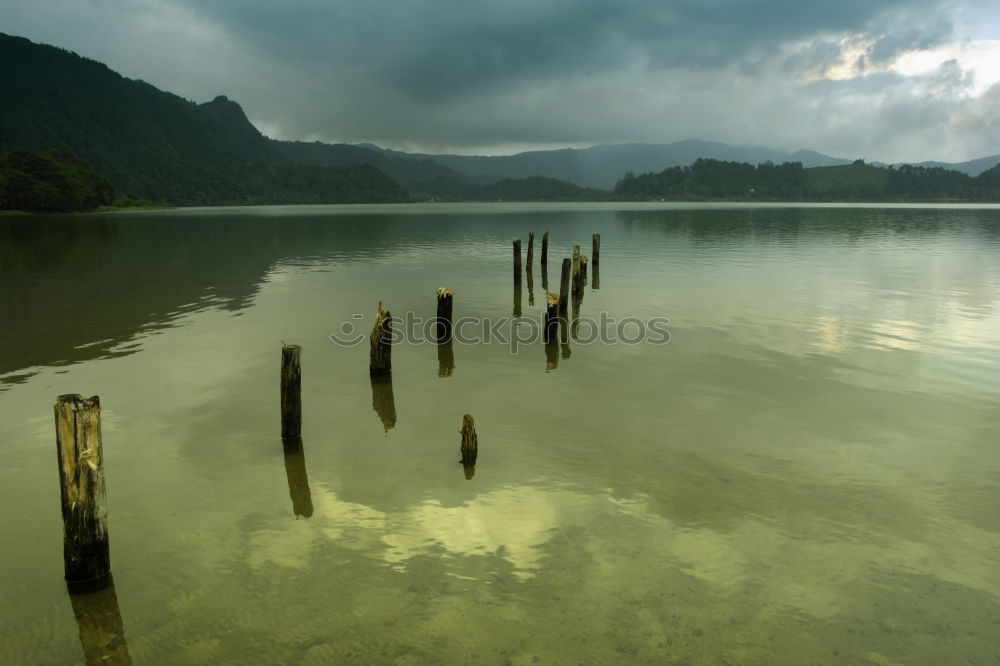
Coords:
pixel 971 167
pixel 604 165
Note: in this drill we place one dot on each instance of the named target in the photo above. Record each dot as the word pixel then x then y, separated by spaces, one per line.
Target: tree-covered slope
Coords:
pixel 156 145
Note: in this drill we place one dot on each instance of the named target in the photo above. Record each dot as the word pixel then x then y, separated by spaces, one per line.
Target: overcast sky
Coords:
pixel 891 80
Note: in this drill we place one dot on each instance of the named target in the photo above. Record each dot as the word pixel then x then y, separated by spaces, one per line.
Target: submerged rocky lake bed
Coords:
pixel 804 469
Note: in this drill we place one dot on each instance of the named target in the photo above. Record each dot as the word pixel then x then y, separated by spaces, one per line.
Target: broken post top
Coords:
pixel 445 292
pixel 551 299
pixel 77 399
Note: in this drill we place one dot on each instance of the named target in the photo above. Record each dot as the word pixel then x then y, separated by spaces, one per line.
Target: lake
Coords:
pixel 802 467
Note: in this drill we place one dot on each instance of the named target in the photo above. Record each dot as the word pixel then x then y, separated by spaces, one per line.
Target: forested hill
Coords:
pixel 714 180
pixel 158 146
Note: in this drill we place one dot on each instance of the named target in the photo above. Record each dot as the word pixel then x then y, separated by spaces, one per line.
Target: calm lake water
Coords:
pixel 808 472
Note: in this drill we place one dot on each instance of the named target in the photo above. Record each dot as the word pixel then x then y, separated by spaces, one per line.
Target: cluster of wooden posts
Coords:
pixel 78 420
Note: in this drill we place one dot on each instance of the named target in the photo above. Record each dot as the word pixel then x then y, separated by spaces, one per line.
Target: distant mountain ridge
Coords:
pixel 159 146
pixel 604 165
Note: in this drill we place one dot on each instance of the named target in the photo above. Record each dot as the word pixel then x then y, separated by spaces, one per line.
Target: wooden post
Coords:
pixel 550 327
pixel 583 269
pixel 381 347
pixel 564 288
pixel 517 261
pixel 517 299
pixel 470 445
pixel 577 288
pixel 596 250
pixel 444 303
pixel 86 555
pixel 298 479
pixel 531 248
pixel 291 391
pixel 545 248
pixel 531 286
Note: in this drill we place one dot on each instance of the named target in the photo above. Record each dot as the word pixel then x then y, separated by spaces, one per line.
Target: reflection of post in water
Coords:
pixel 298 480
pixel 517 261
pixel 383 402
pixel 446 359
pixel 550 331
pixel 99 621
pixel 552 354
pixel 575 325
pixel 531 286
pixel 545 275
pixel 564 336
pixel 469 447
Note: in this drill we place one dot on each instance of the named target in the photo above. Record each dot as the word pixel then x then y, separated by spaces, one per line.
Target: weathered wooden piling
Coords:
pixel 381 344
pixel 291 391
pixel 298 479
pixel 567 265
pixel 545 248
pixel 531 286
pixel 470 445
pixel 443 326
pixel 531 249
pixel 99 622
pixel 517 299
pixel 545 276
pixel 517 261
pixel 80 454
pixel 550 327
pixel 577 284
pixel 584 262
pixel 596 250
pixel 383 401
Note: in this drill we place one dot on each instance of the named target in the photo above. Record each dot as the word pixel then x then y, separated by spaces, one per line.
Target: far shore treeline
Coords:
pixel 76 136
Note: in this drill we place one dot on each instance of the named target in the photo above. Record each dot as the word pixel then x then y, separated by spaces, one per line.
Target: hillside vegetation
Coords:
pixel 708 180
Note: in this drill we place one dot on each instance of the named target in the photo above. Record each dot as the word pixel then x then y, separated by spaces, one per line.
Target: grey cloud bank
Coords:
pixel 480 76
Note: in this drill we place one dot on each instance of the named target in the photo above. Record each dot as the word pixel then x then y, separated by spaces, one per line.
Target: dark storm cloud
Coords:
pixel 435 49
pixel 463 74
